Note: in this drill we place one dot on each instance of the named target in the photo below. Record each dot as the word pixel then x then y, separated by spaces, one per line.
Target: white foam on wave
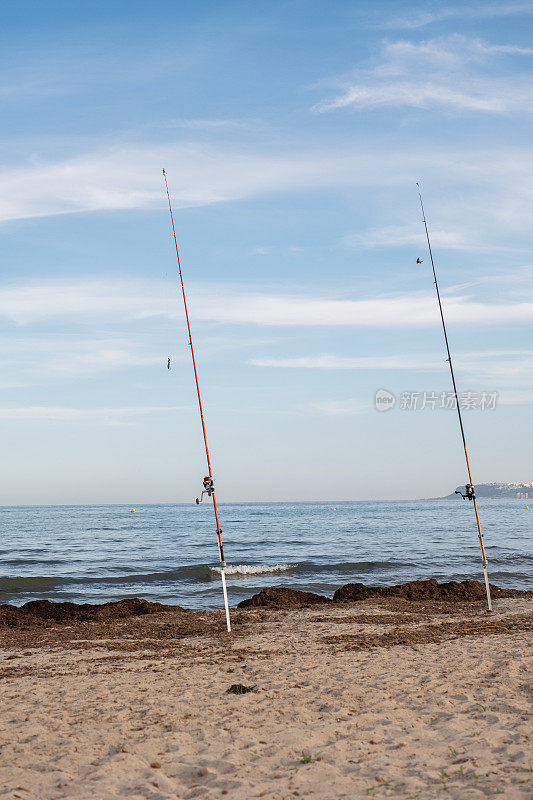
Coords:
pixel 249 569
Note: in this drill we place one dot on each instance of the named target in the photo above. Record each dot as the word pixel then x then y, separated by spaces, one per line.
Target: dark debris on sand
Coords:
pixel 452 591
pixel 433 634
pixel 136 625
pixel 240 688
pixel 281 597
pixel 44 612
pixel 131 624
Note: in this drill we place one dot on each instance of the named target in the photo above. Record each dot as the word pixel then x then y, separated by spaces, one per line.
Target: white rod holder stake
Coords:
pixel 487 587
pixel 226 606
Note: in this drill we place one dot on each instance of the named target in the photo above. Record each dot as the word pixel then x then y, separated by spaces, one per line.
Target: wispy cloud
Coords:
pixel 76 300
pixel 419 17
pixel 452 72
pixel 462 238
pixel 509 372
pixel 197 175
pixel 496 198
pixel 72 67
pixel 341 408
pixel 73 414
pixel 261 251
pixel 509 369
pixel 399 235
pixel 520 397
pixel 206 124
pixel 130 300
pixel 329 361
pixel 32 358
pixel 502 368
pixel 382 311
pixel 352 407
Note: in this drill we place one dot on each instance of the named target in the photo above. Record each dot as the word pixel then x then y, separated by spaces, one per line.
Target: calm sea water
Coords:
pixel 168 552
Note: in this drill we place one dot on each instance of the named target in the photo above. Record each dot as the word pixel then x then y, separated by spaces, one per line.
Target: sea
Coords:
pixel 168 553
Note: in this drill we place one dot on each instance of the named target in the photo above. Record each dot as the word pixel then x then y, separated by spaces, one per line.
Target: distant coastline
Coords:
pixel 499 491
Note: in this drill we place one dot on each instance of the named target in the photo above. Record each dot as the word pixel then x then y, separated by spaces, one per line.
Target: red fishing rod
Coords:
pixel 208 483
pixel 470 493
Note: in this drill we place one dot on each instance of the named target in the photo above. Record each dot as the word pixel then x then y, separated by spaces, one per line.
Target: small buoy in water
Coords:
pixel 132 511
pixel 527 508
pixel 334 509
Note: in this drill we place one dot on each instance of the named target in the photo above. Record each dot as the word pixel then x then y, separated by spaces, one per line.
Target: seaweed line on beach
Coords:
pixel 434 633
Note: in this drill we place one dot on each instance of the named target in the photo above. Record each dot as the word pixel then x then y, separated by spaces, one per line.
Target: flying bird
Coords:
pixel 419 260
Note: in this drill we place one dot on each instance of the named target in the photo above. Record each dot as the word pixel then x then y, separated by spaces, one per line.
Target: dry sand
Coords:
pixel 374 699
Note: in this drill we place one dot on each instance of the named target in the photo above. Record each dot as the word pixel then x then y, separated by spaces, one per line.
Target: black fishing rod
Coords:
pixel 470 492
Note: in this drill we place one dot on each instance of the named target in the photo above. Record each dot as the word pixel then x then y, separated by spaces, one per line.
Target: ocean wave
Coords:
pixel 302 568
pixel 251 569
pixel 191 577
pixel 45 583
pixel 191 573
pixel 353 567
pixel 512 559
pixel 35 583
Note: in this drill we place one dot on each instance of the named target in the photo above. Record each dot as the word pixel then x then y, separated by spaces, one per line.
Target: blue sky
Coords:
pixel 293 134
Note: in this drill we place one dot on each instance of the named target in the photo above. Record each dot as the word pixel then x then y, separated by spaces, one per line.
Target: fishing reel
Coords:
pixel 469 492
pixel 209 488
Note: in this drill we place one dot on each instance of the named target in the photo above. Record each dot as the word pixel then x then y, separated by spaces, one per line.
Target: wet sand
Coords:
pixel 380 698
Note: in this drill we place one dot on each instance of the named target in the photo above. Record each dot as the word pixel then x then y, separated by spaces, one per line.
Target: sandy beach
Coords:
pixel 380 698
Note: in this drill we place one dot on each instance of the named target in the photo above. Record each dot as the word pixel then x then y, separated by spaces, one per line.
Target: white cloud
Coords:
pixel 49 69
pixel 70 414
pixel 414 235
pixel 464 239
pixel 75 300
pixel 353 407
pixel 499 368
pixel 515 283
pixel 131 300
pixel 383 311
pixel 73 356
pixel 421 95
pixel 207 124
pixel 427 16
pixel 496 197
pixel 131 178
pixel 505 368
pixel 516 398
pixel 452 72
pixel 341 408
pixel 507 372
pixel 328 361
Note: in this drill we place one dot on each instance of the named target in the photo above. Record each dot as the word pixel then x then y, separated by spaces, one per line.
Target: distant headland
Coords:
pixel 499 491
